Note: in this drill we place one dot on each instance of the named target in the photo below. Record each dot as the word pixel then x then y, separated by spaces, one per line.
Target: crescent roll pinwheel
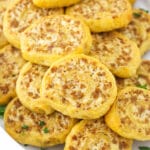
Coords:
pixel 53 37
pixel 139 30
pixel 130 114
pixel 79 86
pixel 117 52
pixel 35 129
pixel 102 15
pixel 19 15
pixel 11 62
pixel 54 3
pixel 141 79
pixel 28 88
pixel 95 135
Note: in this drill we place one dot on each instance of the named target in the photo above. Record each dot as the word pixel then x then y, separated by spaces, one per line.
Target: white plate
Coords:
pixel 7 143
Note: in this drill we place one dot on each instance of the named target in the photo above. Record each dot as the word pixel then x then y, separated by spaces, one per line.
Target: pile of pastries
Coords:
pixel 71 71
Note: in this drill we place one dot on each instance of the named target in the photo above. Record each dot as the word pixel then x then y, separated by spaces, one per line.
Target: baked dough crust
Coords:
pixel 117 52
pixel 3 40
pixel 95 135
pixel 130 114
pixel 11 62
pixel 102 15
pixel 21 14
pixel 54 3
pixel 132 1
pixel 139 30
pixel 28 88
pixel 39 130
pixel 79 86
pixel 141 79
pixel 53 37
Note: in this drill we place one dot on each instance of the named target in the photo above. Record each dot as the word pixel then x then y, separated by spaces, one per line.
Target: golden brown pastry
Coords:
pixel 28 88
pixel 53 37
pixel 21 14
pixel 139 29
pixel 141 79
pixel 54 3
pixel 95 135
pixel 130 114
pixel 102 15
pixel 79 86
pixel 35 129
pixel 11 62
pixel 3 5
pixel 117 52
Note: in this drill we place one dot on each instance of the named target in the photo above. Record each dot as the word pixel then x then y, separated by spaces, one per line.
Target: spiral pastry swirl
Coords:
pixel 53 37
pixel 117 52
pixel 35 129
pixel 20 15
pixel 28 88
pixel 11 62
pixel 102 15
pixel 94 134
pixel 79 86
pixel 141 79
pixel 130 114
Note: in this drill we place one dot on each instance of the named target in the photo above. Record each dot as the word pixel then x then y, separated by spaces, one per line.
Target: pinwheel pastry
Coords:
pixel 52 37
pixel 35 129
pixel 139 29
pixel 102 15
pixel 54 3
pixel 130 114
pixel 141 79
pixel 28 88
pixel 95 135
pixel 79 86
pixel 117 52
pixel 3 40
pixel 19 15
pixel 11 62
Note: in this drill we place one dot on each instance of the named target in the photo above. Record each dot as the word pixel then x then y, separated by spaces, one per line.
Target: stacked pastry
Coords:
pixel 72 73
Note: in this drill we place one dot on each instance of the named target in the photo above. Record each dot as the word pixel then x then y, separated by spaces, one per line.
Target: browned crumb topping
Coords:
pixel 98 9
pixel 23 13
pixel 95 134
pixel 111 49
pixel 11 62
pixel 31 80
pixel 142 77
pixel 23 120
pixel 134 32
pixel 134 105
pixel 139 28
pixel 72 80
pixel 143 18
pixel 58 27
pixel 2 11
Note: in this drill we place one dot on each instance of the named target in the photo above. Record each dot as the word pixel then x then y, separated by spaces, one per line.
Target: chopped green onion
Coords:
pixel 137 15
pixel 25 127
pixel 2 110
pixel 144 86
pixel 45 130
pixel 144 148
pixel 42 123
